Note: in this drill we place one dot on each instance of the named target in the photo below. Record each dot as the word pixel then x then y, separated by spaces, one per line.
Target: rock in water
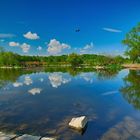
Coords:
pixel 78 123
pixel 4 136
pixel 46 138
pixel 28 137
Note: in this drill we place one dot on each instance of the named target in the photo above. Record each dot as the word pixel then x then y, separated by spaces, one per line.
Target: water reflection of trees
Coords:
pixel 70 70
pixel 10 75
pixel 102 73
pixel 7 75
pixel 107 73
pixel 131 89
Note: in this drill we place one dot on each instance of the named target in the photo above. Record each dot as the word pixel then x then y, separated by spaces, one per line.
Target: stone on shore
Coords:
pixel 28 137
pixel 78 123
pixel 47 138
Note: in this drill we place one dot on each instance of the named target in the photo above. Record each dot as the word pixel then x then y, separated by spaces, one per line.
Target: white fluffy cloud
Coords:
pixel 25 47
pixel 14 44
pixel 89 46
pixel 87 49
pixel 112 30
pixel 39 48
pixel 55 47
pixel 30 35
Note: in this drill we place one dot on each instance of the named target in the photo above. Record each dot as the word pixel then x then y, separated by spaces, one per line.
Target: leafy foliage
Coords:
pixel 74 60
pixel 132 40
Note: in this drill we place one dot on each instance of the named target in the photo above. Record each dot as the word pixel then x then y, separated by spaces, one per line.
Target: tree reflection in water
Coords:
pixel 11 75
pixel 107 73
pixel 131 89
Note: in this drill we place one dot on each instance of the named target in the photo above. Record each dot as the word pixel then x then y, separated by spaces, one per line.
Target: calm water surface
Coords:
pixel 43 102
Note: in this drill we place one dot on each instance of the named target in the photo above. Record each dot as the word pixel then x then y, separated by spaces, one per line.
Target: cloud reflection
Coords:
pixel 41 79
pixel 35 91
pixel 17 84
pixel 129 128
pixel 87 77
pixel 57 79
pixel 28 81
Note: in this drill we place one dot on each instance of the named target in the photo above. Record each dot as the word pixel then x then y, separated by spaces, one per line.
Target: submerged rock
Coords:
pixel 47 138
pixel 3 136
pixel 28 137
pixel 78 123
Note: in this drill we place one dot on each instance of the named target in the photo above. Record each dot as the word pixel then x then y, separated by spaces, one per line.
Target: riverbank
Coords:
pixel 10 67
pixel 97 67
pixel 132 66
pixel 62 66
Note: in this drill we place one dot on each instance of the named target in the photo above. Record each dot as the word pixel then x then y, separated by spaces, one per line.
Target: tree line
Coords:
pixel 75 60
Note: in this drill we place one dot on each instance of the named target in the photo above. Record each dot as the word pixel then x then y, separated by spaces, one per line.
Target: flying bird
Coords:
pixel 77 30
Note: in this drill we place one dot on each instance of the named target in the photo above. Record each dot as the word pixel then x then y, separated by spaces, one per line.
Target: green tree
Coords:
pixel 132 40
pixel 119 60
pixel 75 60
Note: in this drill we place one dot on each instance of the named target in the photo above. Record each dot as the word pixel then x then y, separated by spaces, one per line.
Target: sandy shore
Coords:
pixel 132 66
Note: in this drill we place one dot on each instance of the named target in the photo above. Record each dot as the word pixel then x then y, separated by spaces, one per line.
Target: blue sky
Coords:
pixel 47 27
